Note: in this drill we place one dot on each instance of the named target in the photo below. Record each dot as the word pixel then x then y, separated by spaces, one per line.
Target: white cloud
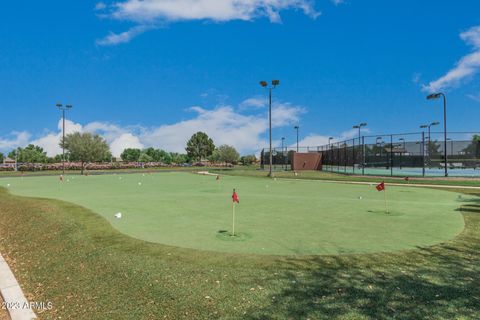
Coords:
pixel 255 102
pixel 314 140
pixel 338 2
pixel 284 114
pixel 117 38
pixel 474 97
pixel 125 140
pixel 416 78
pixel 51 141
pixel 225 10
pixel 100 6
pixel 152 12
pixel 465 68
pixel 224 124
pixel 14 140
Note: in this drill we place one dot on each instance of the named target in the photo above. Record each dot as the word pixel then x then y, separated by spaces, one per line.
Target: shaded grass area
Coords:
pixel 323 175
pixel 72 257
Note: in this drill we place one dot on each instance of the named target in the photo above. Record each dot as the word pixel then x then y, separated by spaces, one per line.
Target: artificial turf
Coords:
pixel 72 257
pixel 276 217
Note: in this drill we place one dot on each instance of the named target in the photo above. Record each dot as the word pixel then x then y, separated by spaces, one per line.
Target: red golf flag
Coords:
pixel 235 197
pixel 381 186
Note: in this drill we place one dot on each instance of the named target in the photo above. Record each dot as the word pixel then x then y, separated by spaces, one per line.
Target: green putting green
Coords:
pixel 280 217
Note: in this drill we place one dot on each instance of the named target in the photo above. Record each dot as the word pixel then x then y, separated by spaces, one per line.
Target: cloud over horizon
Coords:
pixel 224 124
pixel 465 68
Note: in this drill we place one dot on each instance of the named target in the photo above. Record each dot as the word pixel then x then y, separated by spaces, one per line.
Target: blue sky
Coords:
pixel 152 72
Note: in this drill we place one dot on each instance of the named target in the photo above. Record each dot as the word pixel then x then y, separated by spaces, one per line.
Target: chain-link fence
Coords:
pixel 410 154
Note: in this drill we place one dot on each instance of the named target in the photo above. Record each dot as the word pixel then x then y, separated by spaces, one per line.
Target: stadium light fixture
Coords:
pixel 330 142
pixel 264 84
pixel 63 108
pixel 359 127
pixel 435 96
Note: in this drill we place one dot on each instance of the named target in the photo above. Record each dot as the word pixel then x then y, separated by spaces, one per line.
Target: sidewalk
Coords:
pixel 12 294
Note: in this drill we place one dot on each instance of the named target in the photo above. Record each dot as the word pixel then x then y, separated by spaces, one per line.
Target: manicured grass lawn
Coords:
pixel 68 255
pixel 254 171
pixel 274 217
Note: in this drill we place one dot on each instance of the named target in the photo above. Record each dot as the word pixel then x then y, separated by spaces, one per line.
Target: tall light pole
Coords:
pixel 434 96
pixel 451 146
pixel 359 127
pixel 264 84
pixel 429 126
pixel 63 109
pixel 296 128
pixel 283 153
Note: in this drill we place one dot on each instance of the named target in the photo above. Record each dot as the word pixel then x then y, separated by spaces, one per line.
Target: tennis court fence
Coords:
pixel 410 154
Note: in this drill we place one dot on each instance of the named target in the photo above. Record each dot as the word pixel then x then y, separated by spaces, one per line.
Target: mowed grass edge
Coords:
pixel 341 177
pixel 70 256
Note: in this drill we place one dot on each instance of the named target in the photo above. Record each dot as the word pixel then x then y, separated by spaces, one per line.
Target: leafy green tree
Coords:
pixel 227 154
pixel 474 147
pixel 248 160
pixel 164 157
pixel 433 149
pixel 200 146
pixel 144 157
pixel 215 156
pixel 1 157
pixel 108 157
pixel 30 154
pixel 178 158
pixel 153 153
pixel 85 147
pixel 131 155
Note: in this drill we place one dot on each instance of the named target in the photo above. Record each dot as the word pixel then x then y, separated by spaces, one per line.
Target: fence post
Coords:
pixel 338 159
pixel 353 156
pixel 423 154
pixel 363 155
pixel 391 155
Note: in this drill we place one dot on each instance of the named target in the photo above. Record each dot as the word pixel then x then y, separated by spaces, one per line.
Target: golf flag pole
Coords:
pixel 233 220
pixel 234 200
pixel 385 197
pixel 381 187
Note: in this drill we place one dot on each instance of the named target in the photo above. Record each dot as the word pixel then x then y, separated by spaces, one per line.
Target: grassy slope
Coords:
pixel 72 257
pixel 287 217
